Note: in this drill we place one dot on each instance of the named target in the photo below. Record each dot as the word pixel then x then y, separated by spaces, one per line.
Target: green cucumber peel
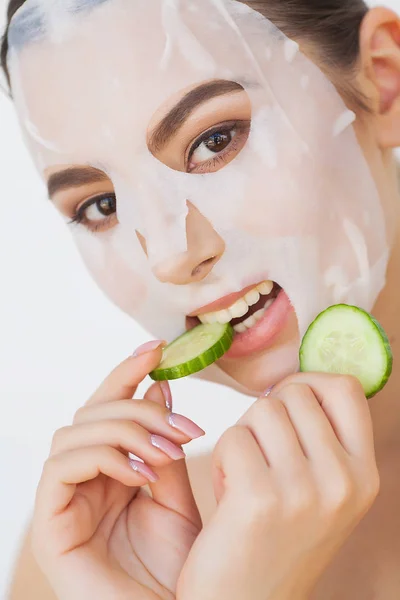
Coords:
pixel 347 340
pixel 194 351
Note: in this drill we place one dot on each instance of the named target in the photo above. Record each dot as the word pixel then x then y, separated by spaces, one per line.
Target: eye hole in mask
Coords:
pixel 217 147
pixel 98 213
pixel 203 131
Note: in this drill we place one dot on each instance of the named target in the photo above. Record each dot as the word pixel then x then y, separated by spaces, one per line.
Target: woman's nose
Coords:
pixel 204 249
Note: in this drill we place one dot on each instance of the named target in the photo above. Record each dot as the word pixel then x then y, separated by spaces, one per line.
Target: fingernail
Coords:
pixel 166 390
pixel 148 347
pixel 167 447
pixel 144 470
pixel 186 426
pixel 268 391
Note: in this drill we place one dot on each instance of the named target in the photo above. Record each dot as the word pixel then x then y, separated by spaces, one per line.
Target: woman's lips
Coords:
pixel 262 334
pixel 222 303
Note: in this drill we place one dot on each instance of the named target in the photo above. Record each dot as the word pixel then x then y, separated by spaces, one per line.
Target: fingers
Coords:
pixel 160 393
pixel 270 424
pixel 276 435
pixel 173 489
pixel 296 450
pixel 147 414
pixel 345 407
pixel 124 380
pixel 147 429
pixel 238 463
pixel 155 450
pixel 313 418
pixel 308 419
pixel 63 472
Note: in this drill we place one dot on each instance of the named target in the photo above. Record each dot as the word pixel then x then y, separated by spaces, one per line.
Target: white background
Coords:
pixel 58 338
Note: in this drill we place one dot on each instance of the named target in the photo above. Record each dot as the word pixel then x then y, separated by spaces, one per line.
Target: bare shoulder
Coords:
pixel 28 580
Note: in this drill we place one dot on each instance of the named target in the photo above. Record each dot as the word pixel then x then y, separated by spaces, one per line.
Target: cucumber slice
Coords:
pixel 194 351
pixel 349 341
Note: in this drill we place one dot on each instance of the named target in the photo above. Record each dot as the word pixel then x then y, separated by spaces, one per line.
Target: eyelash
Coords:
pixel 79 218
pixel 241 128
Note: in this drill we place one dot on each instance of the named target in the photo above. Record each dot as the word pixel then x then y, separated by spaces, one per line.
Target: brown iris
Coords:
pixel 218 141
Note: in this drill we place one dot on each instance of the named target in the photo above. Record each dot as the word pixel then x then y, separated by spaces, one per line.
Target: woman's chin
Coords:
pixel 259 371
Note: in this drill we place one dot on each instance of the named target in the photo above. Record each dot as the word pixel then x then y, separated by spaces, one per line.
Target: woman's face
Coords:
pixel 206 177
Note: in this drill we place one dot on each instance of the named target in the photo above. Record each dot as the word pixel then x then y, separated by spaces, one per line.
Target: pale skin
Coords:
pixel 306 483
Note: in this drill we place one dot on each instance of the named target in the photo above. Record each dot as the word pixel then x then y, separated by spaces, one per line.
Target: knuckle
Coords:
pixel 295 382
pixel 104 453
pixel 80 413
pixel 149 405
pixel 59 437
pixel 350 386
pixel 370 488
pixel 232 437
pixel 124 429
pixel 124 434
pixel 157 413
pixel 341 493
pixel 297 388
pixel 295 392
pixel 119 431
pixel 234 443
pixel 264 406
pixel 289 380
pixel 50 466
pixel 99 455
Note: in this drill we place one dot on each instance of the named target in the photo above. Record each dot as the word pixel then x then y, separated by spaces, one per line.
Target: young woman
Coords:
pixel 306 483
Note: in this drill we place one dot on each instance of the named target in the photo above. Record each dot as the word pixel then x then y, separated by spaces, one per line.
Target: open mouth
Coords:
pixel 257 314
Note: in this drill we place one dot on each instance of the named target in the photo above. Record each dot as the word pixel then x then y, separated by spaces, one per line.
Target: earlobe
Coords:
pixel 380 55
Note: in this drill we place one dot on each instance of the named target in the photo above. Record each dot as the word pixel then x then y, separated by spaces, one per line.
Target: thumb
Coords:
pixel 173 489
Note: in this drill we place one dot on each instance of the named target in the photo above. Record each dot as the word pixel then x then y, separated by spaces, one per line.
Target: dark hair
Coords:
pixel 12 8
pixel 332 25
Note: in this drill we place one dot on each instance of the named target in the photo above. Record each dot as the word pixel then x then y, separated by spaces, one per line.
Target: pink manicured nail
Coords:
pixel 186 426
pixel 144 470
pixel 166 390
pixel 167 447
pixel 148 347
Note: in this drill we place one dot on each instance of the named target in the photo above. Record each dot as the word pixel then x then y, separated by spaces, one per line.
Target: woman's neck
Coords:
pixel 386 406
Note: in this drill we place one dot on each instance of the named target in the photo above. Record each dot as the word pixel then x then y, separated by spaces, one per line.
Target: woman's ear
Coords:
pixel 380 58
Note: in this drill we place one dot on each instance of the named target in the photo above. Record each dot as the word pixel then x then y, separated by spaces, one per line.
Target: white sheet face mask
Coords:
pixel 297 204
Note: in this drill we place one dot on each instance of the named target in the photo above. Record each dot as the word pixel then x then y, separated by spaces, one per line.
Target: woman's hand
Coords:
pixel 96 532
pixel 292 480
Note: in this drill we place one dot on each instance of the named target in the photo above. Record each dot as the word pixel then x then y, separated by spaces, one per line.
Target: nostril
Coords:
pixel 206 263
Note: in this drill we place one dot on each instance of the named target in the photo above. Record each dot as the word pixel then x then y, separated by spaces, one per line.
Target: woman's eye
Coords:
pixel 97 213
pixel 103 207
pixel 215 144
pixel 218 147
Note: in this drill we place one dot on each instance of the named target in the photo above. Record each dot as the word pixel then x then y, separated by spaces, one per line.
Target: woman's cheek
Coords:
pixel 277 204
pixel 113 274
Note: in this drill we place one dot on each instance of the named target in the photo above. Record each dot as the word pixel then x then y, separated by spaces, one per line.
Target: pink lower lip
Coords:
pixel 261 336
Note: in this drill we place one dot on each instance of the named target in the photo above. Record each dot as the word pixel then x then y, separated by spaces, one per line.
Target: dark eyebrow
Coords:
pixel 74 177
pixel 176 118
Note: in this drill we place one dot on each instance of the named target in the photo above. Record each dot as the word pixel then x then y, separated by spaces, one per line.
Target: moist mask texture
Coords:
pixel 297 204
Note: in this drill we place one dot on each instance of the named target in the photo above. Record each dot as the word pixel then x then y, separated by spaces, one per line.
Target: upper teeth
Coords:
pixel 240 308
